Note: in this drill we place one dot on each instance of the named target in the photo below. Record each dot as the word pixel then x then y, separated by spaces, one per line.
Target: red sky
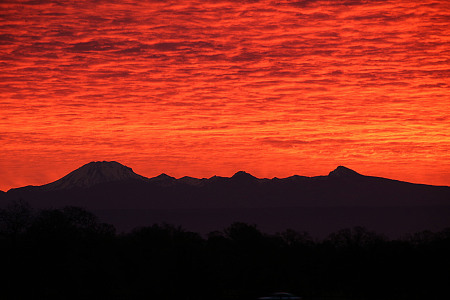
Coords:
pixel 204 88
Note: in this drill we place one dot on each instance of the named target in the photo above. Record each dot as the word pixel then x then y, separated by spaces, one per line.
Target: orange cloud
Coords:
pixel 187 88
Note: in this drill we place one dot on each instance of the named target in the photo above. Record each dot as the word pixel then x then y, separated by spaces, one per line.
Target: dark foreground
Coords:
pixel 68 254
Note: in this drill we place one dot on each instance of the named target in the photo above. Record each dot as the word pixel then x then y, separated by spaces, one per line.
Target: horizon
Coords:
pixel 274 88
pixel 224 176
pixel 341 199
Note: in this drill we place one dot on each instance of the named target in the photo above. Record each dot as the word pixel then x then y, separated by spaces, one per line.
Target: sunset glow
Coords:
pixel 203 88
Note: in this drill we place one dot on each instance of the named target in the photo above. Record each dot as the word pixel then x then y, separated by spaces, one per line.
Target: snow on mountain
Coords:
pixel 94 173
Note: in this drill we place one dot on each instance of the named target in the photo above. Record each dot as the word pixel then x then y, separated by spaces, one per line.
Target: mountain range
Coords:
pixel 342 198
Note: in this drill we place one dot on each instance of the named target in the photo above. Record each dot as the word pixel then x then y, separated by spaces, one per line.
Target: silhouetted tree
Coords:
pixel 243 233
pixel 68 253
pixel 64 254
pixel 295 238
pixel 355 237
pixel 15 218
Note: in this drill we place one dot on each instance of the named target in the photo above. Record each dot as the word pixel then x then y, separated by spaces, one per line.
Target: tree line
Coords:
pixel 67 253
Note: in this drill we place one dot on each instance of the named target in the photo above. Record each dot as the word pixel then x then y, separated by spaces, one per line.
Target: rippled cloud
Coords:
pixel 202 88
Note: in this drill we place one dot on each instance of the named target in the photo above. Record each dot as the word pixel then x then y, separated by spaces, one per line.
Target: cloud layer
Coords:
pixel 211 87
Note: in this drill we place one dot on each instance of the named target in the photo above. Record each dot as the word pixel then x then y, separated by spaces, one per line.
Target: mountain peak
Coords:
pixel 162 176
pixel 94 173
pixel 342 171
pixel 243 175
pixel 191 180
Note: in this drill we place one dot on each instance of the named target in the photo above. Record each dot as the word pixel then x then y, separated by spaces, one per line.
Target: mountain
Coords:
pixel 341 198
pixel 191 180
pixel 342 171
pixel 92 174
pixel 111 184
pixel 243 176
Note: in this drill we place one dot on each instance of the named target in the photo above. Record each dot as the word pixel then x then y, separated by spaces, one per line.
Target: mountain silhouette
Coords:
pixel 295 201
pixel 242 175
pixel 342 171
pixel 92 174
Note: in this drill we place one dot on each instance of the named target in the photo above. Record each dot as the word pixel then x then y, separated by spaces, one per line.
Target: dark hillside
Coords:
pixel 320 204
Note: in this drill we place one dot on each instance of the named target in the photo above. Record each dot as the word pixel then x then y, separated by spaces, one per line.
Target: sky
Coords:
pixel 203 88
